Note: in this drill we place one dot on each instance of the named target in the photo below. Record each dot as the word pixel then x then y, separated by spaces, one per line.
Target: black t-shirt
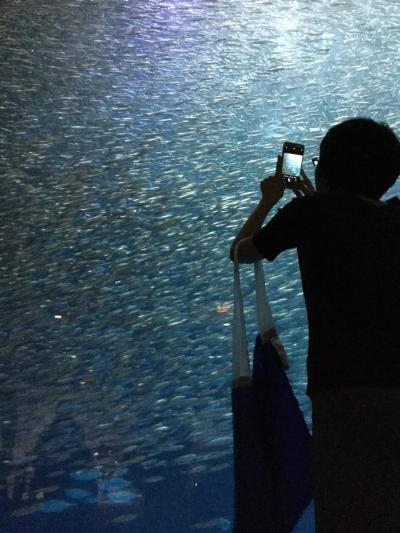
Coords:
pixel 349 258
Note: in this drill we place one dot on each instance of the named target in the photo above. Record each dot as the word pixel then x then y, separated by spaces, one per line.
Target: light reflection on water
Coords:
pixel 133 136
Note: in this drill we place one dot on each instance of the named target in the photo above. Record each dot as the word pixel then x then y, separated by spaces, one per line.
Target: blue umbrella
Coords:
pixel 272 445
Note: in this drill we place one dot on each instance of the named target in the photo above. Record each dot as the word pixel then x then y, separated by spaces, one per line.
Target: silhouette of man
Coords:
pixel 348 244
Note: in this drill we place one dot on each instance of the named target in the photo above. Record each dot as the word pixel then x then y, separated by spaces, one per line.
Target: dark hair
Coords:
pixel 360 156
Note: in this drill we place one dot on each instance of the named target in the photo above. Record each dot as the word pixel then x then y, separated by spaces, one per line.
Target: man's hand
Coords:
pixel 303 187
pixel 273 187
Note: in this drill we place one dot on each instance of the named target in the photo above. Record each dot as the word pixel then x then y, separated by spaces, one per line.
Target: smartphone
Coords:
pixel 292 159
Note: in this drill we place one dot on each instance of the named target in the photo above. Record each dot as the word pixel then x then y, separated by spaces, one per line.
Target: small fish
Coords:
pixel 54 506
pixel 77 494
pixel 123 519
pixel 86 475
pixel 123 496
pixel 46 490
pixel 115 483
pixel 24 511
pixel 153 479
pixel 222 523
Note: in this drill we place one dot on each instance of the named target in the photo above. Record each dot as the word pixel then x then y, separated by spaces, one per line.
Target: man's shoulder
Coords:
pixel 308 204
pixel 339 208
pixel 394 202
pixel 318 198
pixel 342 202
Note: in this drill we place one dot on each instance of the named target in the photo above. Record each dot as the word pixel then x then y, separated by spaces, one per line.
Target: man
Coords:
pixel 348 244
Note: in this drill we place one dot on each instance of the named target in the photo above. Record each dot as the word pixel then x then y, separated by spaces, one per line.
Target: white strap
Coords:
pixel 240 354
pixel 265 324
pixel 265 321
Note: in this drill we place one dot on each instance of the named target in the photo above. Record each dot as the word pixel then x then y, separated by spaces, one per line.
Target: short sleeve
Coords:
pixel 284 230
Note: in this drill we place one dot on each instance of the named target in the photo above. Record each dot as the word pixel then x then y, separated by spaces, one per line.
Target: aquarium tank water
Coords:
pixel 133 137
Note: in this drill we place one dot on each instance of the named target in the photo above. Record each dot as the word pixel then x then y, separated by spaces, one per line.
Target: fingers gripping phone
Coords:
pixel 292 159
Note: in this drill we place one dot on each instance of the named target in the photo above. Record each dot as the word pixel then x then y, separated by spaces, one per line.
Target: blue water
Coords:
pixel 133 136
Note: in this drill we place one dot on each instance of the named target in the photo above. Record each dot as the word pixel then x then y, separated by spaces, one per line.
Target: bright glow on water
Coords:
pixel 133 136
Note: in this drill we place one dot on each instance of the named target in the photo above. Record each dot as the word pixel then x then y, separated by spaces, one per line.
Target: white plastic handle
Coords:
pixel 265 324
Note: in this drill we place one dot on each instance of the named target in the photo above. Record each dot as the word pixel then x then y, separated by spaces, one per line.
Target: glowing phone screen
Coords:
pixel 291 164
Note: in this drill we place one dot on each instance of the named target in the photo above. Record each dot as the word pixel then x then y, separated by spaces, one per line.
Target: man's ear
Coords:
pixel 321 184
